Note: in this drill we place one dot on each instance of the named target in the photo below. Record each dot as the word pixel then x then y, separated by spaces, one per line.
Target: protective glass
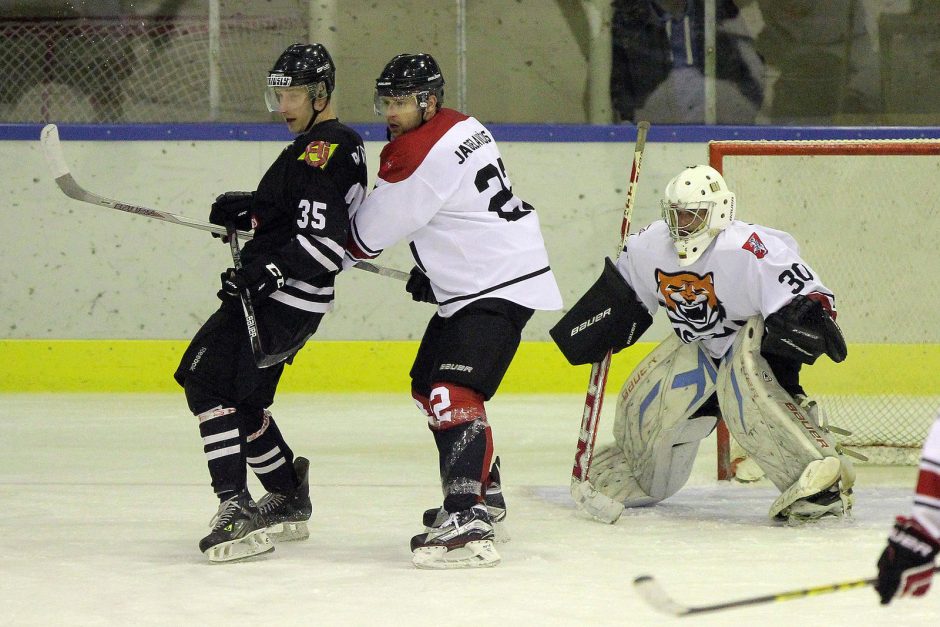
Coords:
pixel 685 219
pixel 284 98
pixel 404 104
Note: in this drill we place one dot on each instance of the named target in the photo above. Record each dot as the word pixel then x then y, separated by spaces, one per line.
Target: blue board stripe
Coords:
pixel 502 132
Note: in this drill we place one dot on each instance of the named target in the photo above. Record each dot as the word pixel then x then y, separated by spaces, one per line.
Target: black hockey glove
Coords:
pixel 232 208
pixel 419 286
pixel 260 278
pixel 906 565
pixel 802 331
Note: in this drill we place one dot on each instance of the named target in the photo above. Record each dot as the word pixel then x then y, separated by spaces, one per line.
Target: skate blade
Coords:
pixel 476 554
pixel 255 543
pixel 289 531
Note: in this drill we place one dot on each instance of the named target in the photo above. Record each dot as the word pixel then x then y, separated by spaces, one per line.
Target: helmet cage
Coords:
pixel 697 206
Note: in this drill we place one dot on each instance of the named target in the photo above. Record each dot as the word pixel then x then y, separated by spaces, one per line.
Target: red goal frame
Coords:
pixel 718 150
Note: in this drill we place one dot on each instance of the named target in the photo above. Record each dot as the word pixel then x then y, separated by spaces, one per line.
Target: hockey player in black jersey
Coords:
pixel 300 217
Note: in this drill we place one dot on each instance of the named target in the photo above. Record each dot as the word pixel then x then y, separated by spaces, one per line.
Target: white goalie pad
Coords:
pixel 656 436
pixel 779 433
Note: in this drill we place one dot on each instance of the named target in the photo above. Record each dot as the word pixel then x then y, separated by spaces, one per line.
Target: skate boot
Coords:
pixel 287 513
pixel 823 490
pixel 495 507
pixel 237 531
pixel 463 540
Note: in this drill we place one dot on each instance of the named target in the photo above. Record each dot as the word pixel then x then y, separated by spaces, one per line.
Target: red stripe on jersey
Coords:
pixel 928 483
pixel 402 156
pixel 825 301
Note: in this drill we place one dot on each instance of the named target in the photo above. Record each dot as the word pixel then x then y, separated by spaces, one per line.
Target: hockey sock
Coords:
pixel 267 453
pixel 464 443
pixel 221 443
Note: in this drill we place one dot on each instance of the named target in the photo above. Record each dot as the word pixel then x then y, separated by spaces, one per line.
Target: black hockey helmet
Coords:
pixel 302 64
pixel 407 74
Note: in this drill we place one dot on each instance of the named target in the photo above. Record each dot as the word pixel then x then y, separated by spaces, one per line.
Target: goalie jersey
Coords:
pixel 443 187
pixel 747 270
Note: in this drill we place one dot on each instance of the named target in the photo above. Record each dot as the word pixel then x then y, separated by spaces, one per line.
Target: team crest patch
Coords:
pixel 756 246
pixel 317 153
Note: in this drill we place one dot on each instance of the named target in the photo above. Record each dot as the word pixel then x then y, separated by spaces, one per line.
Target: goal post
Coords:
pixel 865 215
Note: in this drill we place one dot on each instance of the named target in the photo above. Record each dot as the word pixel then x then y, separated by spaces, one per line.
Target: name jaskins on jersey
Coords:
pixel 467 146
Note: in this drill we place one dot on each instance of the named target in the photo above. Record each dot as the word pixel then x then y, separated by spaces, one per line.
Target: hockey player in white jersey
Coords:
pixel 747 312
pixel 906 565
pixel 480 257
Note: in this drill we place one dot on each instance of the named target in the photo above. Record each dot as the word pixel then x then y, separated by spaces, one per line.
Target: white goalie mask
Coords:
pixel 697 206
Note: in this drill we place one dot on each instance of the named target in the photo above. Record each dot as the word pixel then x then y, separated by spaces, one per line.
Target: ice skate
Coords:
pixel 287 513
pixel 238 531
pixel 495 507
pixel 463 540
pixel 823 490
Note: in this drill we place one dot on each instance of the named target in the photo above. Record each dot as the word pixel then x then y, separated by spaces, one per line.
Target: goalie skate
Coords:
pixel 287 513
pixel 463 540
pixel 823 490
pixel 495 507
pixel 238 531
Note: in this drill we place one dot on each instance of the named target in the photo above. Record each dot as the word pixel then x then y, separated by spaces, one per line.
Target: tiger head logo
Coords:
pixel 690 299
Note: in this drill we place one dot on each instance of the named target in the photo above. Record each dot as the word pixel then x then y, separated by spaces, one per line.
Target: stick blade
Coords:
pixel 52 150
pixel 654 595
pixel 598 505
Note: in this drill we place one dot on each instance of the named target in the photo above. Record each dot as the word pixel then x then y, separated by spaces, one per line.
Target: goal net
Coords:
pixel 145 69
pixel 865 216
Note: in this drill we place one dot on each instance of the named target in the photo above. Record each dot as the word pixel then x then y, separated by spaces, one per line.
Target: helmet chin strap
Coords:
pixel 316 113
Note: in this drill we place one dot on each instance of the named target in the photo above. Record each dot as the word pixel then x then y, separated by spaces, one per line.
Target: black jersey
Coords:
pixel 301 212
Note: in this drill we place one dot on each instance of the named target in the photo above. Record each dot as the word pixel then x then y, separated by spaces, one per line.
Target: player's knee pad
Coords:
pixel 201 398
pixel 656 424
pixel 781 434
pixel 450 405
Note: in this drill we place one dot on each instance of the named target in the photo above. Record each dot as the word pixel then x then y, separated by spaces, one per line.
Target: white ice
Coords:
pixel 104 498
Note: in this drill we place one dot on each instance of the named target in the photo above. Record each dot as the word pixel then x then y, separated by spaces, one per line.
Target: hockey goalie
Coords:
pixel 747 312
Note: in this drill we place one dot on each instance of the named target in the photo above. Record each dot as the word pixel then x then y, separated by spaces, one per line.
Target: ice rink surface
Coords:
pixel 105 497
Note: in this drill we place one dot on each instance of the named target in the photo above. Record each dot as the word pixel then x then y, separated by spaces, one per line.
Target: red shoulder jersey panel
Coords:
pixel 402 156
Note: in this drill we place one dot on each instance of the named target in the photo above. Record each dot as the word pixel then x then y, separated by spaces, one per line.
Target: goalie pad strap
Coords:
pixel 608 317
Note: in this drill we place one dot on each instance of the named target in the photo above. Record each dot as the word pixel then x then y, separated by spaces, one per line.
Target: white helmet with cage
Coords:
pixel 697 206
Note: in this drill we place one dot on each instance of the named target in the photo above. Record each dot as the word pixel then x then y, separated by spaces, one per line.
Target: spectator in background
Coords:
pixel 659 59
pixel 825 59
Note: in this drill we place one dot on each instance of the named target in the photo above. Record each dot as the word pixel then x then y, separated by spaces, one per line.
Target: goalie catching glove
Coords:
pixel 260 279
pixel 607 318
pixel 906 565
pixel 802 331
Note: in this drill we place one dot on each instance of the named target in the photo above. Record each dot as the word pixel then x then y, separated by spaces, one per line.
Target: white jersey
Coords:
pixel 443 187
pixel 927 495
pixel 747 270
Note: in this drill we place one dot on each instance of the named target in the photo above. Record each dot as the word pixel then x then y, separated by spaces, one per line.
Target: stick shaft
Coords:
pixel 52 149
pixel 594 399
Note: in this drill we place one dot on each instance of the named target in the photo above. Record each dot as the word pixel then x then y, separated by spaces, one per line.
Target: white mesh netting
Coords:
pixel 138 70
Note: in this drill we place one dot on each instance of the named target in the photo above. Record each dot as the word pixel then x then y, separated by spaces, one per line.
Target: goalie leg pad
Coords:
pixel 774 428
pixel 608 317
pixel 656 427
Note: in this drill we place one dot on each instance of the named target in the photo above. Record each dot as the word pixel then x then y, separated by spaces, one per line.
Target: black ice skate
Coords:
pixel 237 531
pixel 495 507
pixel 287 513
pixel 463 540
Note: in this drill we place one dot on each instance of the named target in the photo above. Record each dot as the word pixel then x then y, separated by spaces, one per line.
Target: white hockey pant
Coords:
pixel 795 452
pixel 656 437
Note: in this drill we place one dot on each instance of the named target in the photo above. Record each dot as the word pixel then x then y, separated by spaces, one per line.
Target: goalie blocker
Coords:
pixel 608 317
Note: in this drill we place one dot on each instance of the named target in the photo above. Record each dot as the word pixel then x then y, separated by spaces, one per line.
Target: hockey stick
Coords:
pixel 651 592
pixel 584 494
pixel 52 149
pixel 262 360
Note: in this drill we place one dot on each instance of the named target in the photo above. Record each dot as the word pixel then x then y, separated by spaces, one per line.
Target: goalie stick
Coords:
pixel 603 507
pixel 651 592
pixel 52 149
